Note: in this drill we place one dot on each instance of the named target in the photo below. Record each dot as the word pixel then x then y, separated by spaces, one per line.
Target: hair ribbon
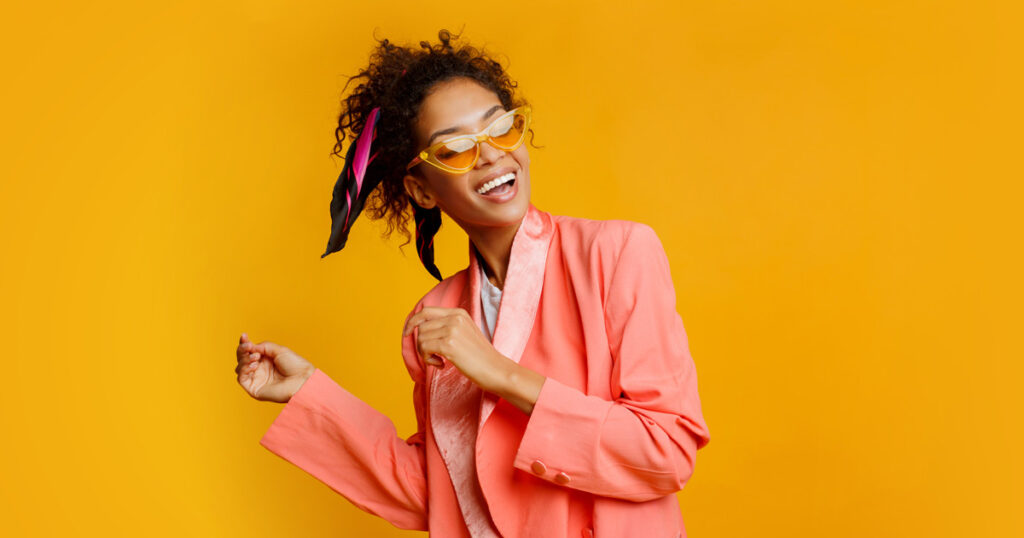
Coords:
pixel 357 180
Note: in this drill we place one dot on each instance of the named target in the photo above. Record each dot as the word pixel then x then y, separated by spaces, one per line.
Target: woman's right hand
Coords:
pixel 270 372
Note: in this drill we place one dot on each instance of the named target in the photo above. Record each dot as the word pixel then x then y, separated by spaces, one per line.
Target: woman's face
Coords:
pixel 466 107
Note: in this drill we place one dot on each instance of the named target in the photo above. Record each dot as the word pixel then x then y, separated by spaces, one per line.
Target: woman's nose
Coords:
pixel 488 155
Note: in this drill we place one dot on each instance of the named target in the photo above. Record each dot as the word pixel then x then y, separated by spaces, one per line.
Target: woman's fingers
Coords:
pixel 432 325
pixel 247 355
pixel 436 325
pixel 247 361
pixel 243 350
pixel 249 364
pixel 430 346
pixel 427 353
pixel 269 349
pixel 426 314
pixel 451 324
pixel 436 335
pixel 246 348
pixel 247 369
pixel 246 352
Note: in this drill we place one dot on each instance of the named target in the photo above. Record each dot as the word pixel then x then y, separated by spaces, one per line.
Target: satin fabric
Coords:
pixel 474 507
pixel 613 435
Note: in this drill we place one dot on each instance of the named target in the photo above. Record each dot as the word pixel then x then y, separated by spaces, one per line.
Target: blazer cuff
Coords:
pixel 299 417
pixel 560 438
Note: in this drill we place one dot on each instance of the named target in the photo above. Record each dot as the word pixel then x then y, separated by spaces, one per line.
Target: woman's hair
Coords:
pixel 397 80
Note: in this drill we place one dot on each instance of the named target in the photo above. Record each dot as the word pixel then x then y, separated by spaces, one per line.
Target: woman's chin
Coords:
pixel 509 214
pixel 513 210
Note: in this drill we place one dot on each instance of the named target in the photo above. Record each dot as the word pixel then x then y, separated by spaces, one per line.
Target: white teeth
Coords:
pixel 495 182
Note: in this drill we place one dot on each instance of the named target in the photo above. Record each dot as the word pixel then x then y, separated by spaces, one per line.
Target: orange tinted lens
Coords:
pixel 457 153
pixel 507 132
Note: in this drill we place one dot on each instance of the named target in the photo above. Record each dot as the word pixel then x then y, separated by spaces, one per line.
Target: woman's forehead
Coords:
pixel 459 104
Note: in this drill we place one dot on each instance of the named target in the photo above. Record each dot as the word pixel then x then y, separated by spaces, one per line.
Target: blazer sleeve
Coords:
pixel 643 445
pixel 354 449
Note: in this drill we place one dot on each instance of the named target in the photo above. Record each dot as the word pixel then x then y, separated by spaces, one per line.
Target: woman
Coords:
pixel 579 417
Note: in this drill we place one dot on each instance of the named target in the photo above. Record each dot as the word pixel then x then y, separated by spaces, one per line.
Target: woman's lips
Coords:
pixel 510 190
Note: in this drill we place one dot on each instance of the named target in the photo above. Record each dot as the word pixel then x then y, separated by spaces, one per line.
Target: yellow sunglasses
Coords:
pixel 459 154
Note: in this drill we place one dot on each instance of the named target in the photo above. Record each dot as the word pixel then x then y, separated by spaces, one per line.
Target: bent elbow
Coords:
pixel 676 474
pixel 685 464
pixel 660 484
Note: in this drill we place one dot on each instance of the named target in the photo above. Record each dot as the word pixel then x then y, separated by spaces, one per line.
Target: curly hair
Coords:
pixel 397 80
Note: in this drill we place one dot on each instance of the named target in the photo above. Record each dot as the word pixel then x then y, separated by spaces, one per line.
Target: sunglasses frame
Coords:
pixel 429 155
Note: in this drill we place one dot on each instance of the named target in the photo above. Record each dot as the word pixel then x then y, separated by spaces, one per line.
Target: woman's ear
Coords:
pixel 419 192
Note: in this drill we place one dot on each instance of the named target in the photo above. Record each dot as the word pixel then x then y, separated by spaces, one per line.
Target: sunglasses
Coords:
pixel 459 154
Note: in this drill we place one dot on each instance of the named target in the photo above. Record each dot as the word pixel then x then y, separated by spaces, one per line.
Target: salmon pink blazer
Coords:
pixel 614 433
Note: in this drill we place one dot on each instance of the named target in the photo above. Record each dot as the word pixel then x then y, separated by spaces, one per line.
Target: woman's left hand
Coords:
pixel 452 334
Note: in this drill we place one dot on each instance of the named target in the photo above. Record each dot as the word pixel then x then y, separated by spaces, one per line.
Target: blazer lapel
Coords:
pixel 520 296
pixel 458 407
pixel 454 408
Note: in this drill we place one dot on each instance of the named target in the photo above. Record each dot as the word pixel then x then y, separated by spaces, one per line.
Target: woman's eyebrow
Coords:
pixel 453 129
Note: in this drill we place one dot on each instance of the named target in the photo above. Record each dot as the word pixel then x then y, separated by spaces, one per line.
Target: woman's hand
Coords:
pixel 270 372
pixel 452 334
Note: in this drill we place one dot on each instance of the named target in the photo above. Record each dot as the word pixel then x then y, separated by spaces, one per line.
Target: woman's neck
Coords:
pixel 495 247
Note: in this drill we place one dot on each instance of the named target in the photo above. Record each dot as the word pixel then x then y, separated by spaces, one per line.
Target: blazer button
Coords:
pixel 538 467
pixel 561 479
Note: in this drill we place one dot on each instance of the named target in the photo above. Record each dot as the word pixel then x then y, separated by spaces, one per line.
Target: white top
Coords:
pixel 490 297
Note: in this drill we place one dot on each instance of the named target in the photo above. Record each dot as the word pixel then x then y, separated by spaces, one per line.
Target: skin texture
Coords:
pixel 271 372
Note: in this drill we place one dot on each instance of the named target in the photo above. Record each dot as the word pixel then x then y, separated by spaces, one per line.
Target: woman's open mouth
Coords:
pixel 500 189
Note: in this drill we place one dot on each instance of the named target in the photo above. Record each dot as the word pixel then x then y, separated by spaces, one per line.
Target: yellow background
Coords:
pixel 837 185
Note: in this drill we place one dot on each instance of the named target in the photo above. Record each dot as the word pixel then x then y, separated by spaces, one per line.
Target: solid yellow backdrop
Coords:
pixel 837 186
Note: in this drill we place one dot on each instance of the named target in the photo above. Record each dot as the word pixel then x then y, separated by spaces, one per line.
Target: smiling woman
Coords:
pixel 554 390
pixel 409 100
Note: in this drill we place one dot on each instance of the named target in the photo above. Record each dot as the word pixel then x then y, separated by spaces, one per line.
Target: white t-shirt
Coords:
pixel 490 297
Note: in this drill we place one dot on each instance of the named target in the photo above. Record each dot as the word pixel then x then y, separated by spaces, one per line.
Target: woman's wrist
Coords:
pixel 302 378
pixel 520 386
